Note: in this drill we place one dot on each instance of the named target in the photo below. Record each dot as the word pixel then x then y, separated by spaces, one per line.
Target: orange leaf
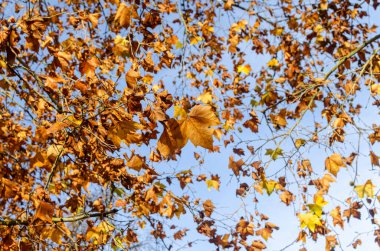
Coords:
pixel 196 126
pixel 44 212
pixel 334 163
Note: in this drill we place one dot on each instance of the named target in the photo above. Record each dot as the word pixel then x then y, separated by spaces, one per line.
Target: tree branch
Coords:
pixel 73 218
pixel 343 59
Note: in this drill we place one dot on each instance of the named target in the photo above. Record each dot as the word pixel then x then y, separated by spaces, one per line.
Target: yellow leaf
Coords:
pixel 179 112
pixel 300 142
pixel 318 28
pixel 195 40
pixel 3 65
pixel 178 45
pixel 375 89
pixel 273 63
pixel 246 69
pixel 269 186
pixel 121 46
pixel 73 120
pixel 334 163
pixel 209 72
pixel 205 98
pixel 316 208
pixel 309 220
pixel 278 31
pixel 366 189
pixel 54 150
pixel 212 183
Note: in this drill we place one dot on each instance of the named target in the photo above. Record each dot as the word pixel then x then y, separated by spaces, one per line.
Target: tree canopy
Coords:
pixel 114 115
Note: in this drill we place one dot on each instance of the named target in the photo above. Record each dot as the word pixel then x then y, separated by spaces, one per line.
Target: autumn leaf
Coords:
pixel 269 186
pixel 374 159
pixel 196 126
pixel 124 15
pixel 195 40
pixel 246 69
pixel 208 207
pixel 334 163
pixel 309 220
pixel 287 197
pixel 375 89
pixel 273 154
pixel 212 184
pixel 316 208
pixel 365 190
pixel 125 132
pixel 171 139
pixel 205 98
pixel 273 63
pixel 88 67
pixel 136 162
pixel 299 143
pixel 44 212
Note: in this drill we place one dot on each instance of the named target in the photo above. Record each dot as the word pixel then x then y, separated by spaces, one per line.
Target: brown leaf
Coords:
pixel 45 211
pixel 171 139
pixel 88 67
pixel 208 207
pixel 124 15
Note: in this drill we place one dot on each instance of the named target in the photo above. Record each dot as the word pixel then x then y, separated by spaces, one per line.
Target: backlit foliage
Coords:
pixel 111 110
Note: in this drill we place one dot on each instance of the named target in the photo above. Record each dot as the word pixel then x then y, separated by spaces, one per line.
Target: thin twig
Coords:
pixel 73 218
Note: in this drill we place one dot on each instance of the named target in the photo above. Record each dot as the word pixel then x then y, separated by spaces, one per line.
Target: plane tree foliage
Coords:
pixel 102 101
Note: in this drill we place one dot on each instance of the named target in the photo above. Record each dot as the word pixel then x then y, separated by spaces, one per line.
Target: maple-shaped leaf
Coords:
pixel 331 242
pixel 258 245
pixel 273 154
pixel 287 197
pixel 125 131
pixel 316 208
pixel 246 69
pixel 208 207
pixel 366 189
pixel 269 186
pixel 132 77
pixel 63 59
pixel 45 211
pixel 136 162
pixel 326 180
pixel 299 143
pixel 375 89
pixel 337 217
pixel 273 62
pixel 100 232
pixel 196 126
pixel 266 233
pixel 374 159
pixel 124 15
pixel 171 139
pixel 334 163
pixel 88 67
pixel 205 98
pixel 56 232
pixel 309 220
pixel 195 40
pixel 212 184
